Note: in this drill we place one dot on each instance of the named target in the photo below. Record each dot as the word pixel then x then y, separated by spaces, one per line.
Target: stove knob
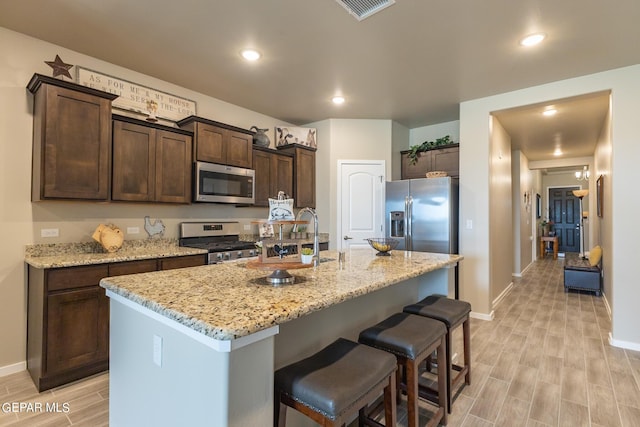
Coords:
pixel 239 254
pixel 227 255
pixel 218 257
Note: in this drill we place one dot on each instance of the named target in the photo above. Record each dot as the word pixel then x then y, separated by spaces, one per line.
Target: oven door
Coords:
pixel 223 184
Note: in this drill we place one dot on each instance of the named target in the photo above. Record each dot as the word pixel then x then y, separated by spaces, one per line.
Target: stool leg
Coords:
pixel 412 392
pixel 466 333
pixel 279 411
pixel 443 382
pixel 399 375
pixel 449 374
pixel 390 402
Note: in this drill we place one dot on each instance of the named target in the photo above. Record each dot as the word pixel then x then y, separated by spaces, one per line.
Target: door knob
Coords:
pixel 347 238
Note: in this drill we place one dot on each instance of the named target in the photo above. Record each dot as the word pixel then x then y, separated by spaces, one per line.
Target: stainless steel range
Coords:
pixel 221 239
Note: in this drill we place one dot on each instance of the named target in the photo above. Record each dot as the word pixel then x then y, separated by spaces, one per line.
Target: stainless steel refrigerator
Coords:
pixel 423 213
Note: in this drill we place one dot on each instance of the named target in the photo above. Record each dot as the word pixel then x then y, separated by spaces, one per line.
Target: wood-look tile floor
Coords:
pixel 544 361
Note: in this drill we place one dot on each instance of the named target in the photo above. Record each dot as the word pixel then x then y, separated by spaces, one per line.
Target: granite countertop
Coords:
pixel 227 301
pixel 58 255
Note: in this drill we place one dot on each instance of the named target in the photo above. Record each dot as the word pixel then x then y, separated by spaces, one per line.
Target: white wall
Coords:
pixel 500 210
pixel 357 139
pixel 601 228
pixel 475 194
pixel 523 212
pixel 433 132
pixel 21 220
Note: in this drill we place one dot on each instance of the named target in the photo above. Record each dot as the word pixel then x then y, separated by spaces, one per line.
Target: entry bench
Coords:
pixel 579 274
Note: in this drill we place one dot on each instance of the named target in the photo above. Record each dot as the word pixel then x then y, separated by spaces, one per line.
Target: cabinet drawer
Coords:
pixel 182 262
pixel 75 277
pixel 133 267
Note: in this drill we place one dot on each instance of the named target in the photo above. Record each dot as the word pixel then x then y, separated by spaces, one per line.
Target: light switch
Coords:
pixel 49 232
pixel 469 224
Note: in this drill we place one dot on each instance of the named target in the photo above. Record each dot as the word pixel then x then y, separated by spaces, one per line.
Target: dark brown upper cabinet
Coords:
pixel 445 158
pixel 274 172
pixel 71 140
pixel 304 174
pixel 151 163
pixel 220 143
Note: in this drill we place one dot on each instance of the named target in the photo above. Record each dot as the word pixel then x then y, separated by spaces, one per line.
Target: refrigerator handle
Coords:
pixel 408 212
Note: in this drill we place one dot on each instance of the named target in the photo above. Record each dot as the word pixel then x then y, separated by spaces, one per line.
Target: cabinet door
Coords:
pixel 239 147
pixel 417 170
pixel 282 175
pixel 447 160
pixel 74 130
pixel 173 167
pixel 134 167
pixel 262 167
pixel 210 145
pixel 305 178
pixel 77 329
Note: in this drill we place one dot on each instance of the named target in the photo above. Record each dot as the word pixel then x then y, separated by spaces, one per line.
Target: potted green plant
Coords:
pixel 306 255
pixel 415 150
pixel 546 226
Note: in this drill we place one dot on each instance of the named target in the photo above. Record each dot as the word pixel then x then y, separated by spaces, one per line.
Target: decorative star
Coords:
pixel 59 67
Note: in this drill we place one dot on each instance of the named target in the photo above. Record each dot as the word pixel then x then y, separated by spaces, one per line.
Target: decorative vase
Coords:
pixel 306 259
pixel 260 138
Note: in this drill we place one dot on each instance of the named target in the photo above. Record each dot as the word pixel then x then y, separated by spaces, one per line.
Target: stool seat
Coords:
pixel 449 311
pixel 412 339
pixel 403 334
pixel 332 380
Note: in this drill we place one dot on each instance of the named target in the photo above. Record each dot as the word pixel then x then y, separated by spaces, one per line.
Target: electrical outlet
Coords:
pixel 49 232
pixel 133 230
pixel 157 350
pixel 469 224
pixel 247 227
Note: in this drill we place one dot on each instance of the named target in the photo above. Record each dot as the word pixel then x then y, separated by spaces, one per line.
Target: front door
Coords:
pixel 361 196
pixel 564 211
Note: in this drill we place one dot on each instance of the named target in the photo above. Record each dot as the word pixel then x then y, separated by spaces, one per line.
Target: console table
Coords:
pixel 543 240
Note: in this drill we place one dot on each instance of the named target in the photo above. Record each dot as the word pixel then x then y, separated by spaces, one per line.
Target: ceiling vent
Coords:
pixel 361 9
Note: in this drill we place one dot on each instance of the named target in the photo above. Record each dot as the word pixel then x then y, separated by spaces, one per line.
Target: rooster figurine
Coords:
pixel 153 229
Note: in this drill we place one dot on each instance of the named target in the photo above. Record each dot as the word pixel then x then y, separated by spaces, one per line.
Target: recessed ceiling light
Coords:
pixel 549 112
pixel 532 39
pixel 338 99
pixel 250 54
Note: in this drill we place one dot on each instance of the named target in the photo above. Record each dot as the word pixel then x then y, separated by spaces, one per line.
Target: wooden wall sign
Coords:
pixel 135 97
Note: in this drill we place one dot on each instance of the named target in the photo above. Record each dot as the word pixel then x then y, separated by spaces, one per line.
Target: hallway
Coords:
pixel 545 361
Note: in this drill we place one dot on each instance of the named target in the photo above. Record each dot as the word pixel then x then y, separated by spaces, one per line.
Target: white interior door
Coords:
pixel 360 202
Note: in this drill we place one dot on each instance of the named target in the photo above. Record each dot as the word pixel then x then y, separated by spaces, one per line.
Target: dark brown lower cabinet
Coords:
pixel 68 318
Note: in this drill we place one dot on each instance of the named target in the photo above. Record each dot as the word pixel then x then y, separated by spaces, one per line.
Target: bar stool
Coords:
pixel 412 339
pixel 452 313
pixel 332 385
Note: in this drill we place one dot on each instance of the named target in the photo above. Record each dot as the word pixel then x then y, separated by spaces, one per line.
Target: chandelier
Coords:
pixel 583 175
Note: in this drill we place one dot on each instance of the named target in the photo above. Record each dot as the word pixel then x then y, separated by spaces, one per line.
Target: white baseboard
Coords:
pixel 502 295
pixel 607 306
pixel 624 344
pixel 12 369
pixel 482 316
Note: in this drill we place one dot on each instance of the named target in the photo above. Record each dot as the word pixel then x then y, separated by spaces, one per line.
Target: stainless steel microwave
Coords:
pixel 223 184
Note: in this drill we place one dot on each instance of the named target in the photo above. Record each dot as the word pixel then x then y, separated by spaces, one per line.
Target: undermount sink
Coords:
pixel 327 259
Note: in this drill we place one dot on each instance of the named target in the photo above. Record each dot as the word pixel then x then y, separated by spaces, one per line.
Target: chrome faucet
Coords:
pixel 316 242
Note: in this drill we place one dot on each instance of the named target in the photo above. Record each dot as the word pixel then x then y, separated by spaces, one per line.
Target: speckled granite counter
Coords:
pixel 73 254
pixel 228 301
pixel 203 342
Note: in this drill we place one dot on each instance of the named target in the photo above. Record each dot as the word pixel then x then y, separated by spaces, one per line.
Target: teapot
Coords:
pixel 260 138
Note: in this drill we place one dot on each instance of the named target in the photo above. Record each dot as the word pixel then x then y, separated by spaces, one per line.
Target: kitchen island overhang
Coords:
pixel 201 345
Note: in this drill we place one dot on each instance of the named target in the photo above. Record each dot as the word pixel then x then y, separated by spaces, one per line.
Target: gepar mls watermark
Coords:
pixel 36 407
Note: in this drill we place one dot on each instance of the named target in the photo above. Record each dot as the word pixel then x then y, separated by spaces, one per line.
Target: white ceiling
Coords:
pixel 413 62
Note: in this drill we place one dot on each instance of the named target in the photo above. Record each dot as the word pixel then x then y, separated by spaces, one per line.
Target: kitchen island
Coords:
pixel 198 346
